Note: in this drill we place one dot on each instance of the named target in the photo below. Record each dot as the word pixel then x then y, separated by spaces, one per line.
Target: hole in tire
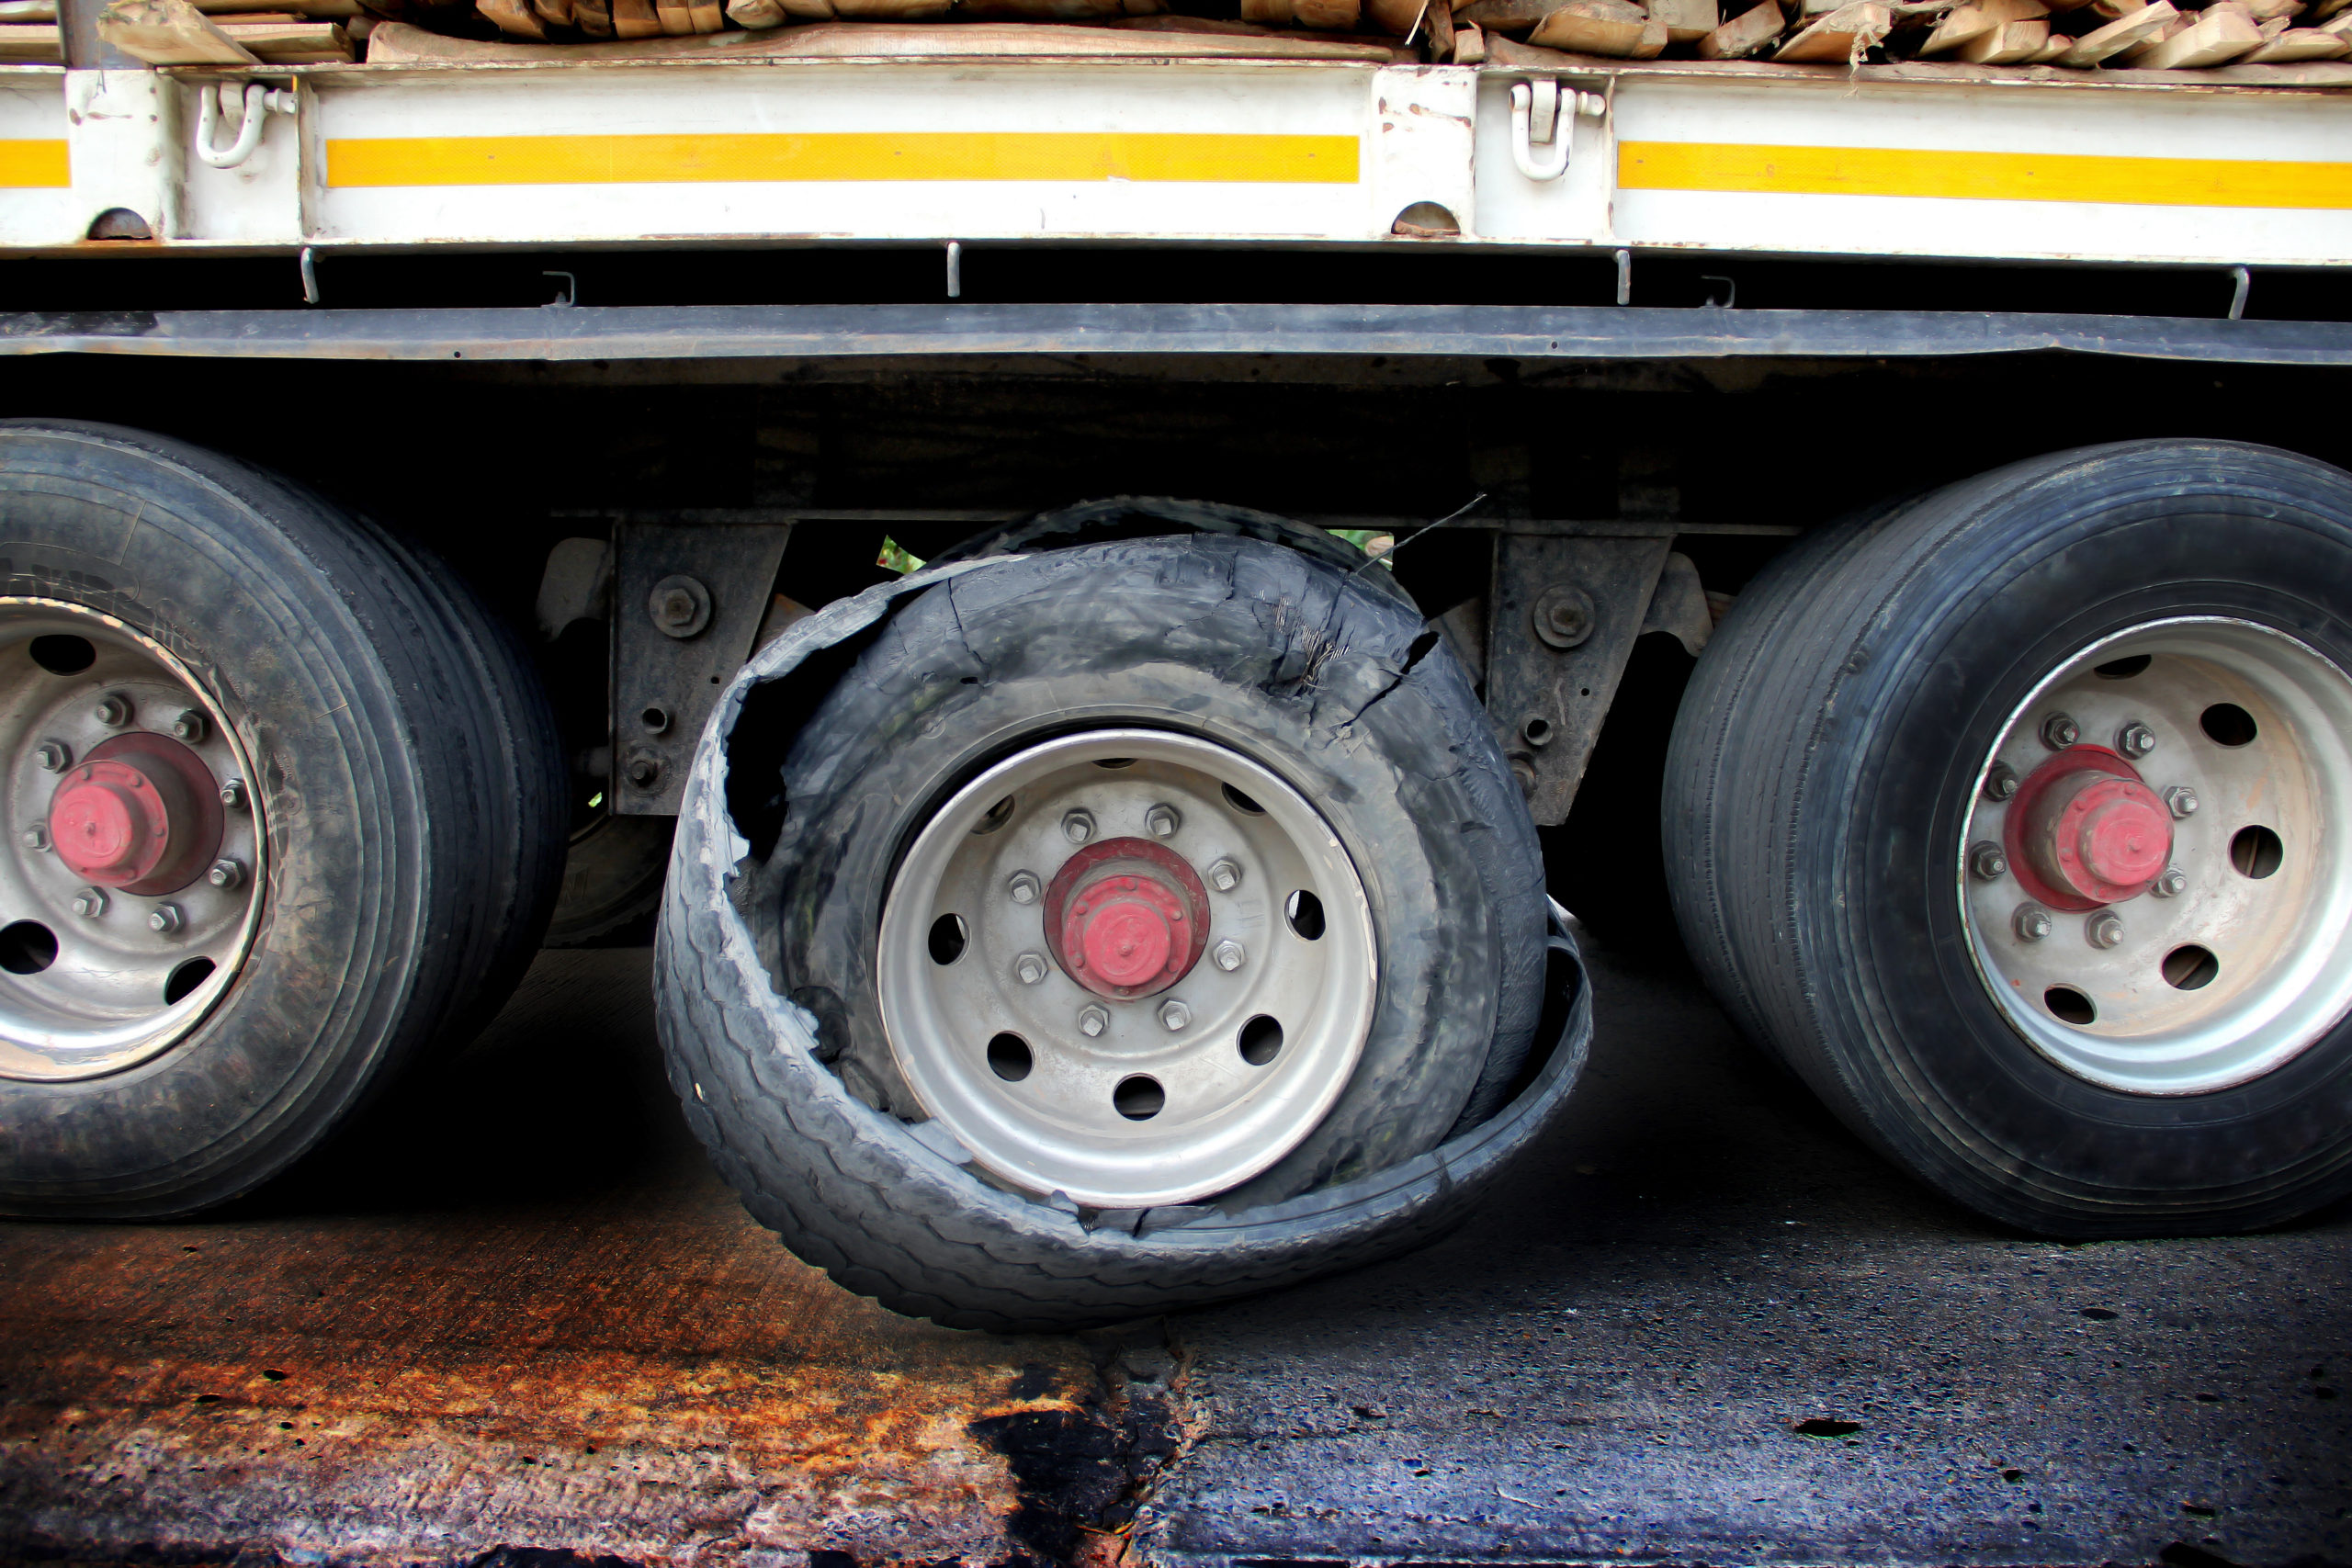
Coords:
pixel 2190 969
pixel 2123 668
pixel 2256 851
pixel 1242 803
pixel 2068 1005
pixel 1261 1039
pixel 27 947
pixel 186 978
pixel 1305 912
pixel 948 939
pixel 1009 1057
pixel 2226 724
pixel 60 653
pixel 1138 1098
pixel 996 817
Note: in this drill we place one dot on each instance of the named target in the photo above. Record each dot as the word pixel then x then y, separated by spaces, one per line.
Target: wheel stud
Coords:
pixel 2031 922
pixel 225 875
pixel 54 756
pixel 164 920
pixel 2172 883
pixel 1078 825
pixel 34 838
pixel 2135 741
pixel 2104 929
pixel 112 711
pixel 1025 888
pixel 232 795
pixel 1030 967
pixel 1987 863
pixel 1162 820
pixel 1230 955
pixel 2059 731
pixel 1175 1015
pixel 90 903
pixel 2181 800
pixel 2000 782
pixel 190 726
pixel 1224 876
pixel 1092 1020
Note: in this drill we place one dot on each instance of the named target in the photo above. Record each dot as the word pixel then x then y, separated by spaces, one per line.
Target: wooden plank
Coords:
pixel 1688 21
pixel 401 44
pixel 1841 37
pixel 1615 27
pixel 2299 43
pixel 2143 26
pixel 31 43
pixel 1744 34
pixel 2220 35
pixel 169 32
pixel 2009 44
pixel 1976 18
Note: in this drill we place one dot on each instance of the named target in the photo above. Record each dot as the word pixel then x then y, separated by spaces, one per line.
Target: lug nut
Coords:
pixel 166 920
pixel 1163 821
pixel 90 903
pixel 2000 782
pixel 1023 887
pixel 2181 800
pixel 2032 923
pixel 190 726
pixel 1988 863
pixel 1175 1015
pixel 54 756
pixel 1224 876
pixel 2172 883
pixel 112 711
pixel 225 875
pixel 34 838
pixel 2135 740
pixel 2058 732
pixel 2104 929
pixel 1230 955
pixel 1078 825
pixel 1031 967
pixel 1092 1020
pixel 232 795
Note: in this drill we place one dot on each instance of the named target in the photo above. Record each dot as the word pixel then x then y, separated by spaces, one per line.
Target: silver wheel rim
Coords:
pixel 98 975
pixel 2238 955
pixel 1229 1107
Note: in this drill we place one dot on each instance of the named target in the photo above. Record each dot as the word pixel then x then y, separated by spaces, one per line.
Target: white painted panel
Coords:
pixel 32 108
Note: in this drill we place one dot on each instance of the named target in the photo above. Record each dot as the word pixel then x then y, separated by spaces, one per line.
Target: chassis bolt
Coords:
pixel 34 838
pixel 112 711
pixel 2172 883
pixel 1092 1020
pixel 2135 741
pixel 2104 929
pixel 1230 955
pixel 54 756
pixel 90 903
pixel 1163 821
pixel 190 726
pixel 166 920
pixel 1078 825
pixel 1023 887
pixel 1175 1015
pixel 225 875
pixel 1987 863
pixel 2181 800
pixel 2032 923
pixel 1030 967
pixel 2001 782
pixel 1224 876
pixel 2059 731
pixel 642 771
pixel 232 794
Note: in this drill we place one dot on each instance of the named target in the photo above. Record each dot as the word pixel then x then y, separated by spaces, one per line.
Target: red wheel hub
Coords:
pixel 2083 831
pixel 1127 917
pixel 141 812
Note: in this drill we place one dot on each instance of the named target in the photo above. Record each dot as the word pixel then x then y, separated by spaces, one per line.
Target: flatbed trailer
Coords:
pixel 1883 524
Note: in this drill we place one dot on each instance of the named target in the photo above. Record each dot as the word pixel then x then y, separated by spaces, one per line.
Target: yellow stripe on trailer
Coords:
pixel 1983 176
pixel 841 156
pixel 34 165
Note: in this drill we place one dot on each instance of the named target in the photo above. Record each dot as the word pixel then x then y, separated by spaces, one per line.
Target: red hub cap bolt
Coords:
pixel 111 823
pixel 2084 832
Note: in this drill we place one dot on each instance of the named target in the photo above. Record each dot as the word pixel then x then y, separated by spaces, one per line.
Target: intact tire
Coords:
pixel 392 753
pixel 612 879
pixel 1837 776
pixel 1333 687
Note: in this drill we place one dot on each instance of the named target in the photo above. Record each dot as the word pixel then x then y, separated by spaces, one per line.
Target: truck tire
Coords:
pixel 276 792
pixel 612 879
pixel 1926 819
pixel 997 829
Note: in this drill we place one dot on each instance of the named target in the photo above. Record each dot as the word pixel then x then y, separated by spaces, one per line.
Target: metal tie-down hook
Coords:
pixel 250 100
pixel 1535 109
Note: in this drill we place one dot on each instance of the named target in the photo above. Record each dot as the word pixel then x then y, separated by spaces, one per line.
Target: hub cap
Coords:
pixel 127 884
pixel 1131 966
pixel 2156 872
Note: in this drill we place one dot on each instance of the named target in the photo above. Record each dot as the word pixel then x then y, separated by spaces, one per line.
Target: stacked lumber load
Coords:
pixel 199 32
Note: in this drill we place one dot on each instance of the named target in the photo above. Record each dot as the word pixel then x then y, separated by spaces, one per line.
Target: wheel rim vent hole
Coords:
pixel 186 978
pixel 1242 803
pixel 997 815
pixel 2226 724
pixel 63 654
pixel 948 939
pixel 2256 851
pixel 1305 912
pixel 2069 1005
pixel 27 947
pixel 1115 763
pixel 2190 969
pixel 1262 1039
pixel 2123 668
pixel 1009 1057
pixel 1138 1098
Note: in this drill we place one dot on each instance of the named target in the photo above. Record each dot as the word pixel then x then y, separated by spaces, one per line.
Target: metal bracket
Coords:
pixel 250 100
pixel 1536 122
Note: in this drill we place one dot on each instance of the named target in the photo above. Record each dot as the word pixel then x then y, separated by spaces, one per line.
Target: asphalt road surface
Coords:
pixel 516 1317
